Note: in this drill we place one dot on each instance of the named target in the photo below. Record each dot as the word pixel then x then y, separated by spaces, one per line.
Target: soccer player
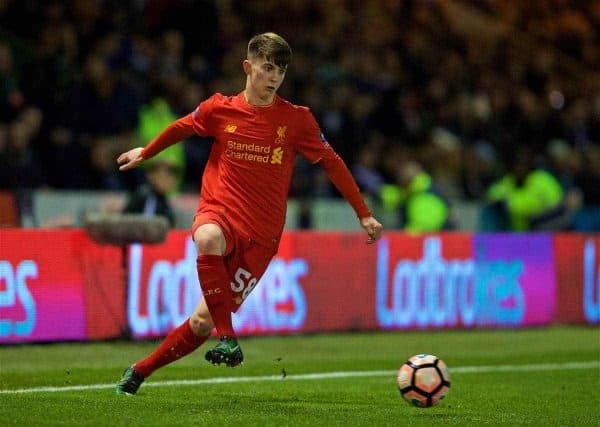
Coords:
pixel 242 207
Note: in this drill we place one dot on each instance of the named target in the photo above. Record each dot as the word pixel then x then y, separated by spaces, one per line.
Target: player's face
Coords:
pixel 263 80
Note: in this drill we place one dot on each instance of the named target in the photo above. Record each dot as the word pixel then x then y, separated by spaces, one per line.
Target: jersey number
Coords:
pixel 243 280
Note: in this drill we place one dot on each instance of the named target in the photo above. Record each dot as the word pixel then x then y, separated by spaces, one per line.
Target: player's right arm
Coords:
pixel 130 159
pixel 177 131
pixel 194 123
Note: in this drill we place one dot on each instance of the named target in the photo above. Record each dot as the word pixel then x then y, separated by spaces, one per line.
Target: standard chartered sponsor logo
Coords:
pixel 277 156
pixel 248 152
pixel 254 153
pixel 434 292
pixel 591 285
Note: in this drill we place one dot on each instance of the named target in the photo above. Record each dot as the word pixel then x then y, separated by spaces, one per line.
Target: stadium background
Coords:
pixel 464 89
pixel 461 87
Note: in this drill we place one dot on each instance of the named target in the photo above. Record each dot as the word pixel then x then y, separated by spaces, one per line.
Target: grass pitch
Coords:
pixel 503 377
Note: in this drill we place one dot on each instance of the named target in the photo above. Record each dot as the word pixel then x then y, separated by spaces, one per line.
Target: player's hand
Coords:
pixel 130 159
pixel 372 227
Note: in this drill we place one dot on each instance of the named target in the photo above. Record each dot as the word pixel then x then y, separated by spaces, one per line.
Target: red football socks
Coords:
pixel 178 343
pixel 215 280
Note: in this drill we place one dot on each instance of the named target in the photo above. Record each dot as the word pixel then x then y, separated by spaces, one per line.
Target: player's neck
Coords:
pixel 256 101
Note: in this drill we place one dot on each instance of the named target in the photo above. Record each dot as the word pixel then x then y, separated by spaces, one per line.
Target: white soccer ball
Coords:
pixel 423 380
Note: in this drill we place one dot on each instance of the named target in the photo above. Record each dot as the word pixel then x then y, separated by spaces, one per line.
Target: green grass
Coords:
pixel 546 397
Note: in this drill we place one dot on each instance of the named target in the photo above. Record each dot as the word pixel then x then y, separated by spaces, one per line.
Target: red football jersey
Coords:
pixel 248 173
pixel 252 159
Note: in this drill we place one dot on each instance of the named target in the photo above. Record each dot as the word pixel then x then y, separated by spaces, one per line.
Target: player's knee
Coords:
pixel 201 325
pixel 206 244
pixel 209 240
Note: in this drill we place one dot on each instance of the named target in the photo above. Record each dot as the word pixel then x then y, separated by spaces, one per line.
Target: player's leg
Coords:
pixel 180 342
pixel 247 263
pixel 211 245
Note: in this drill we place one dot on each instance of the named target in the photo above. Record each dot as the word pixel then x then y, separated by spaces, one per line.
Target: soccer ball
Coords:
pixel 423 380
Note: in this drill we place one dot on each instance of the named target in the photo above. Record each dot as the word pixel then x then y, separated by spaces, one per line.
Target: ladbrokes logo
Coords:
pixel 277 156
pixel 439 292
pixel 278 301
pixel 162 292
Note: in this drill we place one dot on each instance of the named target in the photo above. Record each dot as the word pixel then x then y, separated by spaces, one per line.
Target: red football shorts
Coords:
pixel 245 259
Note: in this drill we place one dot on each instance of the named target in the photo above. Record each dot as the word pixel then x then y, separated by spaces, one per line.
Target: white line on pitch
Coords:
pixel 317 376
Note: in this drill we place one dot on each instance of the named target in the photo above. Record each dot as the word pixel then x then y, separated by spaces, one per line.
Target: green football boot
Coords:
pixel 129 382
pixel 227 351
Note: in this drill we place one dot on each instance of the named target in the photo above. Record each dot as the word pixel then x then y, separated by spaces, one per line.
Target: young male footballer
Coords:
pixel 241 213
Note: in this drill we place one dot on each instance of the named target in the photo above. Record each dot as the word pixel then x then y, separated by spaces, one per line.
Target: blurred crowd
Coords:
pixel 443 98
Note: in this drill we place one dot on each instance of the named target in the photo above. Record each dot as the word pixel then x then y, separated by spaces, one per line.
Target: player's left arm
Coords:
pixel 313 145
pixel 341 177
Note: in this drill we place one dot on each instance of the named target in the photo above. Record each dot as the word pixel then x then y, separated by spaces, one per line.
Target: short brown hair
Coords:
pixel 271 47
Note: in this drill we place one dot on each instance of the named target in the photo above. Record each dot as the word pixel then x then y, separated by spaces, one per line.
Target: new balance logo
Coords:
pixel 277 156
pixel 230 128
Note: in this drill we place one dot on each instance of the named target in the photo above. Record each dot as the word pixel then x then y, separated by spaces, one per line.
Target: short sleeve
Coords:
pixel 202 116
pixel 312 144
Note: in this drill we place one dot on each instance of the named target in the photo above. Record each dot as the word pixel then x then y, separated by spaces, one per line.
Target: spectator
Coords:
pixel 365 169
pixel 5 162
pixel 23 164
pixel 102 103
pixel 586 218
pixel 11 96
pixel 152 118
pixel 103 173
pixel 153 198
pixel 526 198
pixel 64 149
pixel 507 71
pixel 419 207
pixel 478 170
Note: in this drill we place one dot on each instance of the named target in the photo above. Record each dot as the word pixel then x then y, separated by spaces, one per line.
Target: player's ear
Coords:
pixel 247 66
